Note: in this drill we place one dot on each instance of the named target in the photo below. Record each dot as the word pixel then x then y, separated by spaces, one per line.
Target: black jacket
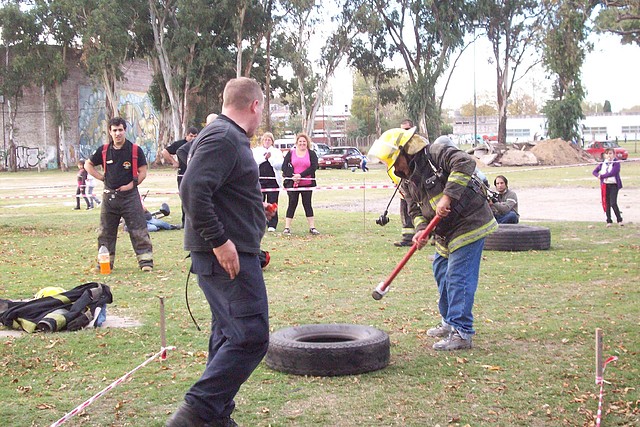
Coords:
pixel 310 172
pixel 220 191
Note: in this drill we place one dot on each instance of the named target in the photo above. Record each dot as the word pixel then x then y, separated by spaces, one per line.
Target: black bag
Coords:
pixel 69 310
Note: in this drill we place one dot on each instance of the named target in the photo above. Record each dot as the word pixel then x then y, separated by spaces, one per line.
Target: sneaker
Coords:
pixel 453 342
pixel 286 232
pixel 146 268
pixel 314 231
pixel 440 331
pixel 271 229
pixel 76 209
pixel 621 224
pixel 89 208
pixel 402 243
pixel 609 225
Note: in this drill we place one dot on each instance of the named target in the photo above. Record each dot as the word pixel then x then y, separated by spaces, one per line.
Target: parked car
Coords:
pixel 340 158
pixel 321 149
pixel 596 149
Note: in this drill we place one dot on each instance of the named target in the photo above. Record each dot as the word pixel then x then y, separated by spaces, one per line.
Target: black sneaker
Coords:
pixel 402 243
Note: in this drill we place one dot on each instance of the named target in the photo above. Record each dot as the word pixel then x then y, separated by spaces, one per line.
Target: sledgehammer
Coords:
pixel 383 287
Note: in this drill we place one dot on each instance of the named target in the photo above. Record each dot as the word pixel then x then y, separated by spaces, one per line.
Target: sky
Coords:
pixel 609 73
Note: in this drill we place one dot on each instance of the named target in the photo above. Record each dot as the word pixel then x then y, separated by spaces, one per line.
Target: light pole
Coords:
pixel 475 112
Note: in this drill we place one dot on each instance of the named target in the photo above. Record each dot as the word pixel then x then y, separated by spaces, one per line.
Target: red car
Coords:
pixel 340 158
pixel 596 149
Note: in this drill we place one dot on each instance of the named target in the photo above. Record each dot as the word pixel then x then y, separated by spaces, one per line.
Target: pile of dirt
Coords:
pixel 559 152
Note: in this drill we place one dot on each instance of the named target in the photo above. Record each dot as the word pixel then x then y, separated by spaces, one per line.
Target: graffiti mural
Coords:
pixel 28 157
pixel 134 107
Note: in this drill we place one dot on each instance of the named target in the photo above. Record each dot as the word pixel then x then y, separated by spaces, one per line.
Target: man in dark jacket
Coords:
pixel 438 179
pixel 225 221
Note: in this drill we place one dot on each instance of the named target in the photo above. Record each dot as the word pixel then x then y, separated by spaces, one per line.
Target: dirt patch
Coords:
pixel 559 152
pixel 535 204
pixel 110 322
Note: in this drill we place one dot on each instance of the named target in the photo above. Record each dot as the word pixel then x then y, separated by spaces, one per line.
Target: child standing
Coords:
pixel 82 184
pixel 91 184
pixel 609 174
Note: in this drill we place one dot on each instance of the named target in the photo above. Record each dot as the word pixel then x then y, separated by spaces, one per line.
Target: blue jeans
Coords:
pixel 509 218
pixel 154 224
pixel 457 279
pixel 239 331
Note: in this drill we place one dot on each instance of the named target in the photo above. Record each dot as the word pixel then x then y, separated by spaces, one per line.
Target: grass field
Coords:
pixel 536 313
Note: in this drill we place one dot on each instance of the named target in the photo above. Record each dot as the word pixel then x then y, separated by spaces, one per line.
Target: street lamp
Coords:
pixel 475 112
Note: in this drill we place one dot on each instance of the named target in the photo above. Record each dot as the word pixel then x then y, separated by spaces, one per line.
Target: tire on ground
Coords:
pixel 328 350
pixel 518 237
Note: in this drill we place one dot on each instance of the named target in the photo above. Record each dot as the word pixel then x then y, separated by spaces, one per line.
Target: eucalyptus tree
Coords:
pixel 513 27
pixel 565 47
pixel 425 34
pixel 27 62
pixel 110 32
pixel 61 36
pixel 621 17
pixel 345 20
pixel 368 55
pixel 192 42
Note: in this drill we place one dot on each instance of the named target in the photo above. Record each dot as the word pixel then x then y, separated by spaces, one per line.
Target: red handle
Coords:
pixel 423 235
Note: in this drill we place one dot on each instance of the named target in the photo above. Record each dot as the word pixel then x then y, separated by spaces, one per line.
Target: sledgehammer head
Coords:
pixel 379 291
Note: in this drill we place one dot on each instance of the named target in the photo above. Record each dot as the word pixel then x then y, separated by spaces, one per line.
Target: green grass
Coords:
pixel 536 312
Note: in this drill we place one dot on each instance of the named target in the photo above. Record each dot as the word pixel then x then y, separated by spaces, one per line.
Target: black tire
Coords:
pixel 345 165
pixel 328 350
pixel 518 237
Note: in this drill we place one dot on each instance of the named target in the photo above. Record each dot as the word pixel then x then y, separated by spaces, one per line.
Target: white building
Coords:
pixel 600 127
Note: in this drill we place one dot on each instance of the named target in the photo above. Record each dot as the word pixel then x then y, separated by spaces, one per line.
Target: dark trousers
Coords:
pixel 271 197
pixel 81 191
pixel 611 199
pixel 239 331
pixel 293 202
pixel 181 208
pixel 407 223
pixel 127 205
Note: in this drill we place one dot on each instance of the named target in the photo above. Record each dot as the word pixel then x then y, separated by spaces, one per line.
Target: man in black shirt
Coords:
pixel 122 173
pixel 171 151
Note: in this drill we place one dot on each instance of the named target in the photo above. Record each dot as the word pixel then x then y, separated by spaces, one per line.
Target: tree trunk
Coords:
pixel 241 13
pixel 267 101
pixel 13 159
pixel 109 84
pixel 165 68
pixel 502 95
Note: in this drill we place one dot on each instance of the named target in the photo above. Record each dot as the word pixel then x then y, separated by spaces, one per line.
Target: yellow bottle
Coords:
pixel 104 260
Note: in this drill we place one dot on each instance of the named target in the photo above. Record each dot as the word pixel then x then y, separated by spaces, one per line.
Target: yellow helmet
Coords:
pixel 391 143
pixel 49 291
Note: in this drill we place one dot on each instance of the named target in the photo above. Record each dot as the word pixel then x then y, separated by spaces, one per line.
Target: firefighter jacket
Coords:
pixel 444 169
pixel 71 310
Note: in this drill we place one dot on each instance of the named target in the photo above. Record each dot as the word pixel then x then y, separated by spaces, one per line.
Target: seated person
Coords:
pixel 505 209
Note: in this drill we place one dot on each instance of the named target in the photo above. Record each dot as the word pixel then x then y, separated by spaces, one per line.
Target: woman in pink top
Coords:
pixel 299 171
